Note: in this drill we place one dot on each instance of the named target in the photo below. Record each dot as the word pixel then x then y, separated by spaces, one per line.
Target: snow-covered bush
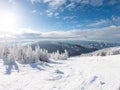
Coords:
pixel 40 54
pixel 10 57
pixel 58 56
pixel 22 54
pixel 4 51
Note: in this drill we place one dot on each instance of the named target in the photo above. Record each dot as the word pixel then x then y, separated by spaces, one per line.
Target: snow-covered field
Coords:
pixel 76 73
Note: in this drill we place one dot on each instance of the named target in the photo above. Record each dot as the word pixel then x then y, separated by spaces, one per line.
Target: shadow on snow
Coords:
pixel 9 67
pixel 39 66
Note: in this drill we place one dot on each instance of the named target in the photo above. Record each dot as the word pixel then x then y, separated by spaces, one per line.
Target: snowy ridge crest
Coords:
pixel 104 52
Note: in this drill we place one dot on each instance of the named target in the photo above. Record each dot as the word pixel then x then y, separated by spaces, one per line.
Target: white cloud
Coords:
pixel 103 34
pixel 55 4
pixel 16 31
pixel 96 2
pixel 56 14
pixel 34 11
pixel 33 1
pixel 115 20
pixel 110 34
pixel 84 2
pixel 69 17
pixel 106 22
pixel 46 1
pixel 49 13
pixel 99 23
pixel 10 1
pixel 23 33
pixel 71 5
pixel 60 5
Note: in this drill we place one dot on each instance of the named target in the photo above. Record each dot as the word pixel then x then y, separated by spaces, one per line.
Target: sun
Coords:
pixel 8 20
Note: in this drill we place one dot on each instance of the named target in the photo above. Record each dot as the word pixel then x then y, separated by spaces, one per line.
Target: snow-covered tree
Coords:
pixel 41 54
pixel 59 56
pixel 23 54
pixel 5 51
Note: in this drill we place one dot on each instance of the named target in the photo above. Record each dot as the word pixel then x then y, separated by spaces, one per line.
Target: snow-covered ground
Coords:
pixel 104 52
pixel 76 73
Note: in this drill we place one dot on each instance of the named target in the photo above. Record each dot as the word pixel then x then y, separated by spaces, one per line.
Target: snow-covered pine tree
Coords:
pixel 41 54
pixel 59 56
pixel 11 57
pixel 23 54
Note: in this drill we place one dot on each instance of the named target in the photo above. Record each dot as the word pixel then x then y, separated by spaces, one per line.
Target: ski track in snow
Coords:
pixel 77 73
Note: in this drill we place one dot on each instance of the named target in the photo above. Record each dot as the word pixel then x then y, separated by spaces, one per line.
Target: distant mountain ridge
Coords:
pixel 73 49
pixel 95 44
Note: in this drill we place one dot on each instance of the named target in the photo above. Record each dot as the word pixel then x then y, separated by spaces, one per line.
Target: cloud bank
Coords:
pixel 109 34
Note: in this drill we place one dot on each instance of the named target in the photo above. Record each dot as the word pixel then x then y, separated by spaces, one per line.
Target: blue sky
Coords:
pixel 52 16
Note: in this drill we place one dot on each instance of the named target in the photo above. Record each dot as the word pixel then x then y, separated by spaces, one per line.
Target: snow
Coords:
pixel 104 52
pixel 76 73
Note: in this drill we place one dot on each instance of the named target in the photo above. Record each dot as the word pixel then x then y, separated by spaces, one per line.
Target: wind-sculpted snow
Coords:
pixel 104 52
pixel 76 73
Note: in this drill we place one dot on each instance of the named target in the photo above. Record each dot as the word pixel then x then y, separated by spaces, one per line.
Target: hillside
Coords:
pixel 94 44
pixel 76 73
pixel 74 47
pixel 104 52
pixel 53 46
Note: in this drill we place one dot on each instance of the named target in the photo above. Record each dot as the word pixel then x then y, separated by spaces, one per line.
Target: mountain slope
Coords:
pixel 77 73
pixel 104 52
pixel 94 44
pixel 53 46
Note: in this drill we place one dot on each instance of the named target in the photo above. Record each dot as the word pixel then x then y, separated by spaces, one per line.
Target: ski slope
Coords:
pixel 76 73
